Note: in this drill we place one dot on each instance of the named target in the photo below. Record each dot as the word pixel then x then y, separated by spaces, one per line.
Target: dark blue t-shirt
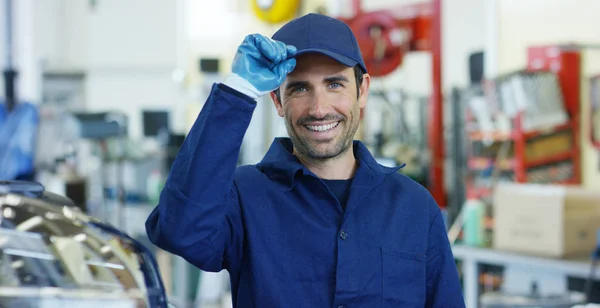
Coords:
pixel 341 189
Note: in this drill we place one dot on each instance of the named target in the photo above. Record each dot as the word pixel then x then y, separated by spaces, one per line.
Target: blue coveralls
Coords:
pixel 283 236
pixel 18 136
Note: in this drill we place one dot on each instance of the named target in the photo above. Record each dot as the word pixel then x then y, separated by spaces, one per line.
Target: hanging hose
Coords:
pixel 9 72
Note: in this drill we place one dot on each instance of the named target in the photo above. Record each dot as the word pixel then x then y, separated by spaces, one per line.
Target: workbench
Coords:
pixel 472 258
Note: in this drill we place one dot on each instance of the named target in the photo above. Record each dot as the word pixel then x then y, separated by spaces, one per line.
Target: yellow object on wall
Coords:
pixel 275 11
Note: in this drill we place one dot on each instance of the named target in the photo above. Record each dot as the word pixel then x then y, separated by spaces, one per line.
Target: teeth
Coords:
pixel 322 128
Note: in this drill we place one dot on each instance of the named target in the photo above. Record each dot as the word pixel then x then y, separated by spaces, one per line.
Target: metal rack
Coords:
pixel 472 258
pixel 508 151
pixel 550 83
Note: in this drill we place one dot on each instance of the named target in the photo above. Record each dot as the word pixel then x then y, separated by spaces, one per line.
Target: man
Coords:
pixel 317 223
pixel 18 131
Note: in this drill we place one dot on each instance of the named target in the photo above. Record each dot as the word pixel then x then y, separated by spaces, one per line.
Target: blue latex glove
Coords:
pixel 260 65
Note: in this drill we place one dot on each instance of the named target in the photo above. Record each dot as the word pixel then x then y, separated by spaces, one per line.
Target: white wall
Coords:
pixel 135 35
pixel 61 34
pixel 463 32
pixel 24 49
pixel 43 36
pixel 127 51
pixel 132 51
pixel 538 22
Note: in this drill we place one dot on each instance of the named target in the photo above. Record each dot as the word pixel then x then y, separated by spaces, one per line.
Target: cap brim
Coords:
pixel 338 57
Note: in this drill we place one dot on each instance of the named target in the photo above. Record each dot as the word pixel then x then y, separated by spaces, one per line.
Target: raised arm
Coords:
pixel 198 216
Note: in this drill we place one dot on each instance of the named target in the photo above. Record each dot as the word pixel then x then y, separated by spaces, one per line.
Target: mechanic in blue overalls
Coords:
pixel 318 222
pixel 18 130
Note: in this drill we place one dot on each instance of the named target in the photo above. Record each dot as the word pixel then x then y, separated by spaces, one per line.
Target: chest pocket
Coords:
pixel 404 279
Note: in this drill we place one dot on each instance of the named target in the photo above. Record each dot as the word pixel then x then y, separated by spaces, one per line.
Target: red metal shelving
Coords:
pixel 550 160
pixel 478 163
pixel 503 136
pixel 565 63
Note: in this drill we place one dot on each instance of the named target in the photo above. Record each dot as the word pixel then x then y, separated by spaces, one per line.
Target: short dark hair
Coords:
pixel 358 75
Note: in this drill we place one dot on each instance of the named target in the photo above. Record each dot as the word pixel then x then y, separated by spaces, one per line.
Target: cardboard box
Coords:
pixel 546 220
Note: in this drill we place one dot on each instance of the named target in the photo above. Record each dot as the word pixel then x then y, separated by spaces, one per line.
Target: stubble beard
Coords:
pixel 306 149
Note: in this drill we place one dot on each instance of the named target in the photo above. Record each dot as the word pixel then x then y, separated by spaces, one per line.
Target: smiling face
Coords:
pixel 320 106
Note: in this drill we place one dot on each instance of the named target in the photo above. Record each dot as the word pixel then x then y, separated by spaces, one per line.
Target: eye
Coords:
pixel 334 85
pixel 298 90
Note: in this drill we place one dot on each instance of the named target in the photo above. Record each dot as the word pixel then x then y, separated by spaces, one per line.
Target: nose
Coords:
pixel 318 107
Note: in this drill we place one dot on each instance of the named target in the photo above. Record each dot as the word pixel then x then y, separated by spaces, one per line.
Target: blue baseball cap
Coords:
pixel 322 34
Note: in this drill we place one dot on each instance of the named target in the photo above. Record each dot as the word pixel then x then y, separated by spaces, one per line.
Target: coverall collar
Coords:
pixel 282 166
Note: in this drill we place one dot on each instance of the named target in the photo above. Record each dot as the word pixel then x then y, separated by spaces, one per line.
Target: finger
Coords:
pixel 284 68
pixel 274 51
pixel 291 51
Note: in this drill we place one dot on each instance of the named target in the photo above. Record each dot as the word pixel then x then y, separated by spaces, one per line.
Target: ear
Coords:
pixel 364 91
pixel 277 103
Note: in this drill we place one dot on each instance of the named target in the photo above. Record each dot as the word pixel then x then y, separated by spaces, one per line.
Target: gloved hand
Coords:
pixel 260 65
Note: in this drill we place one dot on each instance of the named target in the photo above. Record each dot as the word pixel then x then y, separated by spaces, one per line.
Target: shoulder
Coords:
pixel 246 171
pixel 411 190
pixel 248 175
pixel 404 183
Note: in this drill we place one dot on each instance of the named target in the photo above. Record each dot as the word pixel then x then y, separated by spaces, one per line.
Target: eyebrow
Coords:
pixel 295 84
pixel 304 84
pixel 336 78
